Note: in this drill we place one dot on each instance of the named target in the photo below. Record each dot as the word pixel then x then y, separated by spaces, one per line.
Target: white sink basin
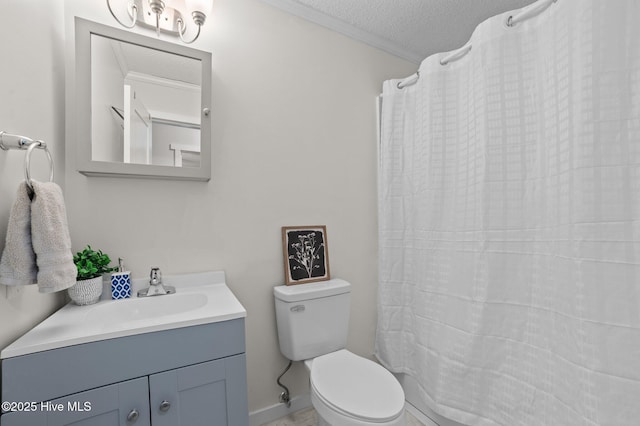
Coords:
pixel 199 299
pixel 145 308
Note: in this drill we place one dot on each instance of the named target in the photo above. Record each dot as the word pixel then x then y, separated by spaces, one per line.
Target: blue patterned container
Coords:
pixel 121 285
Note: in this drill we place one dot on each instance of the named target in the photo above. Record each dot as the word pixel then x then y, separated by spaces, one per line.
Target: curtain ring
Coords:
pixel 510 21
pixel 412 79
pixel 27 162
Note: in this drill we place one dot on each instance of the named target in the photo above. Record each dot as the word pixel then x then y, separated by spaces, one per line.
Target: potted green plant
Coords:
pixel 91 265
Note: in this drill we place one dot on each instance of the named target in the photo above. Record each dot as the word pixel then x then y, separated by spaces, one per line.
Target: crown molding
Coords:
pixel 317 17
pixel 161 81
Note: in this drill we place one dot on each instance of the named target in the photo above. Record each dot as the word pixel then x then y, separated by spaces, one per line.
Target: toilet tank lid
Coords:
pixel 298 292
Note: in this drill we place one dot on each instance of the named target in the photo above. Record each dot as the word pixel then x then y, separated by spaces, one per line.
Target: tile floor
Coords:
pixel 307 417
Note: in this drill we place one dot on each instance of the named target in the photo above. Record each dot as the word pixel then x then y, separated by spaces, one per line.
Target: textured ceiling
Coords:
pixel 412 29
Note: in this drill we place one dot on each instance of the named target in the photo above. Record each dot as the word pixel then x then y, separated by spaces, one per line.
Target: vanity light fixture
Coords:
pixel 165 16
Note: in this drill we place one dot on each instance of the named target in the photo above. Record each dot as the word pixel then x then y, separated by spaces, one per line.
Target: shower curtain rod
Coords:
pixel 510 22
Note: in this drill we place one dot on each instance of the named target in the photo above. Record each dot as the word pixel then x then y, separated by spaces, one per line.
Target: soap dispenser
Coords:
pixel 121 282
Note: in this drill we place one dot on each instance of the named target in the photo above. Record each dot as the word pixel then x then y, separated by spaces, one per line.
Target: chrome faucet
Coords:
pixel 156 288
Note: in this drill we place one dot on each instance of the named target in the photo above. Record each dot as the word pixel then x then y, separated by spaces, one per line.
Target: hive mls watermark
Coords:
pixel 48 406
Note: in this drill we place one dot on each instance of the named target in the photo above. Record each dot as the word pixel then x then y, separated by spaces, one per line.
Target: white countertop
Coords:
pixel 200 298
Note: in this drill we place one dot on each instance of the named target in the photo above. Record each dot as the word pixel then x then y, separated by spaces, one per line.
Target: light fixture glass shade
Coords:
pixel 203 6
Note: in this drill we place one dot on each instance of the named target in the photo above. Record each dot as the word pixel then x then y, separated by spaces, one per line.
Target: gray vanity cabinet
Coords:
pixel 200 395
pixel 188 376
pixel 108 406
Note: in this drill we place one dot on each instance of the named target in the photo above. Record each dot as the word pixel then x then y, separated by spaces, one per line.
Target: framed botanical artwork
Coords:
pixel 306 257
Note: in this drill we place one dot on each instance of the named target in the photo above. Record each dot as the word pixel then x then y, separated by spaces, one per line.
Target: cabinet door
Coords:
pixel 37 418
pixel 106 406
pixel 209 394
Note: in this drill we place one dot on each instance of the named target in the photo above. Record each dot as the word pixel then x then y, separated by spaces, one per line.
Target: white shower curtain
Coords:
pixel 509 222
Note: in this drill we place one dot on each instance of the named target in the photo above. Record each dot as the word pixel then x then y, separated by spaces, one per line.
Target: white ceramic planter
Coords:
pixel 86 292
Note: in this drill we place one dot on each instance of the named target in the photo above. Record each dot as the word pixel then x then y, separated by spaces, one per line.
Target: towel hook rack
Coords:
pixel 9 141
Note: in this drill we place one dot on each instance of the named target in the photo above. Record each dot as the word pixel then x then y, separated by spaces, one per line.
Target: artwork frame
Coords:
pixel 306 254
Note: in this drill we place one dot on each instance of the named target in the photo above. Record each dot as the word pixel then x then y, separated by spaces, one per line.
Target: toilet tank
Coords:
pixel 313 319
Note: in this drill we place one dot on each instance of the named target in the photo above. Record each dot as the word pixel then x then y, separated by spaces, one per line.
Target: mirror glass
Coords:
pixel 146 105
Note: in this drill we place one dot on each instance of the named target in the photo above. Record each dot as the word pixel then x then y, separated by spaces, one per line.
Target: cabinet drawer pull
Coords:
pixel 133 415
pixel 164 406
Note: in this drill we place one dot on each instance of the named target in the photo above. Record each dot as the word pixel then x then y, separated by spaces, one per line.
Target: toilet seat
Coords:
pixel 356 387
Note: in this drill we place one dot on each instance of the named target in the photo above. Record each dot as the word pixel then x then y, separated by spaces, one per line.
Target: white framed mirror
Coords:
pixel 142 105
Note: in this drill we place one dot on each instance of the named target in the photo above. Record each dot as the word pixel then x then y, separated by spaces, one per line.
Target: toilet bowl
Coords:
pixel 348 390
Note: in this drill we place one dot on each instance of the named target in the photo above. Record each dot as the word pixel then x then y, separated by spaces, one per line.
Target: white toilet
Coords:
pixel 346 389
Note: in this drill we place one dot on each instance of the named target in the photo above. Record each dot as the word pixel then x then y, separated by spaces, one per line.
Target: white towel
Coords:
pixel 50 239
pixel 18 263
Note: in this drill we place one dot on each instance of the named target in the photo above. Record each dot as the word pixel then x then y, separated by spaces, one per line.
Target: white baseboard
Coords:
pixel 274 412
pixel 419 415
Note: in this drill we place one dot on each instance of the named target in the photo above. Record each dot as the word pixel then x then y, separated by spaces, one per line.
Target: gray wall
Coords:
pixel 31 104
